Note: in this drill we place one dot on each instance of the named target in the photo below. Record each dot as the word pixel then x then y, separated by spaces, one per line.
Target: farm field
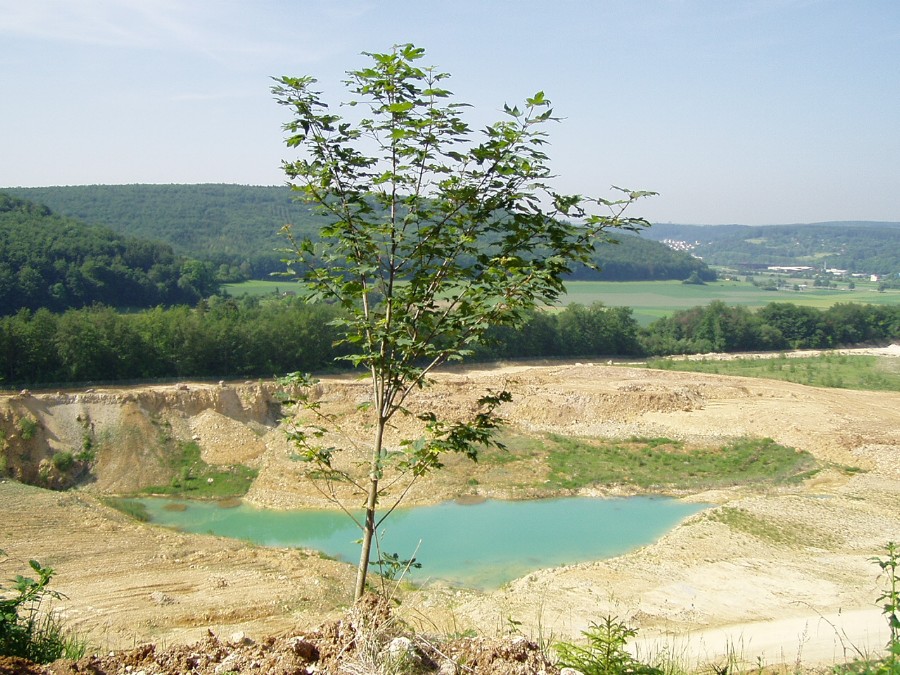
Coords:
pixel 651 300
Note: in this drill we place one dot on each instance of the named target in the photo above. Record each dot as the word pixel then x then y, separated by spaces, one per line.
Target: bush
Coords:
pixel 605 652
pixel 63 461
pixel 27 427
pixel 28 629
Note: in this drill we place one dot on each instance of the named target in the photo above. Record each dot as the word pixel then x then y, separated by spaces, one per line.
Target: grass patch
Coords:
pixel 654 464
pixel 842 371
pixel 766 529
pixel 196 479
pixel 662 464
pixel 130 508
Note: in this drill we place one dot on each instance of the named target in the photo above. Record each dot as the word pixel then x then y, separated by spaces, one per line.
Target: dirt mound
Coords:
pixel 365 640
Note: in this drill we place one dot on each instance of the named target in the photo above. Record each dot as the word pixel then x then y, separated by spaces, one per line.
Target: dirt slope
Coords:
pixel 793 554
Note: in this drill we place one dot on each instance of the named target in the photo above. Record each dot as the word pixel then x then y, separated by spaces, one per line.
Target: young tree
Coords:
pixel 430 237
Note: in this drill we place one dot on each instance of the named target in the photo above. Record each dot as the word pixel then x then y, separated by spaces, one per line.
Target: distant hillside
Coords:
pixel 236 226
pixel 857 246
pixel 50 261
pixel 226 224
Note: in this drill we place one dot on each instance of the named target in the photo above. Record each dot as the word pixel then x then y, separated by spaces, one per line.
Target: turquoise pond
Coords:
pixel 479 545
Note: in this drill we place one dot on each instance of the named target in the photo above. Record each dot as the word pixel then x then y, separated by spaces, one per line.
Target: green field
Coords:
pixel 652 299
pixel 259 289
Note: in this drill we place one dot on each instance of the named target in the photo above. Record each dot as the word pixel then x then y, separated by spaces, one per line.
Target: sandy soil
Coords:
pixel 790 579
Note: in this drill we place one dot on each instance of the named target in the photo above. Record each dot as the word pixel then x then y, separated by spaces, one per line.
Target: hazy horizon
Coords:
pixel 751 111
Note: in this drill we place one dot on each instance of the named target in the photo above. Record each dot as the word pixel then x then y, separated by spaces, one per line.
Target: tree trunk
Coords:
pixel 371 504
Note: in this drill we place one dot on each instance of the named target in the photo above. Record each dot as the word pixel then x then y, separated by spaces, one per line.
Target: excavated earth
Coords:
pixel 765 575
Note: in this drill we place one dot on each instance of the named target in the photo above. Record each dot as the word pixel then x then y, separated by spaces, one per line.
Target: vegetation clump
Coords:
pixel 605 652
pixel 196 479
pixel 28 628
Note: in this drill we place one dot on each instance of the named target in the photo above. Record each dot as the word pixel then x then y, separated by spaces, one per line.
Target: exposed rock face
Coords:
pixel 122 440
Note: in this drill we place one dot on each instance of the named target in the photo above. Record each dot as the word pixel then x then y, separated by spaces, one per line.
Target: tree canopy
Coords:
pixel 431 235
pixel 58 263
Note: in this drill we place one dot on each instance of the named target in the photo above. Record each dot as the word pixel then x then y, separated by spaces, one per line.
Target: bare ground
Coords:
pixel 786 575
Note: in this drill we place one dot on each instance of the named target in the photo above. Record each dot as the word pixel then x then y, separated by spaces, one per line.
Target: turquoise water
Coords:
pixel 480 545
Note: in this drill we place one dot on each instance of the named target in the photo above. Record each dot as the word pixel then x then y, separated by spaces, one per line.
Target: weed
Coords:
pixel 775 532
pixel 845 372
pixel 605 653
pixel 28 629
pixel 664 464
pixel 391 567
pixel 889 601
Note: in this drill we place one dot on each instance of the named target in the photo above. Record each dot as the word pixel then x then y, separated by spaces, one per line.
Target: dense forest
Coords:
pixel 252 337
pixel 58 263
pixel 858 247
pixel 236 227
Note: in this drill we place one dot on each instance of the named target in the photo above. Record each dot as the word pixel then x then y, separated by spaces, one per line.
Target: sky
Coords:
pixel 734 111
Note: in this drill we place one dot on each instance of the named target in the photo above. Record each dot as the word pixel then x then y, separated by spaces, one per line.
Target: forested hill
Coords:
pixel 50 261
pixel 857 246
pixel 237 227
pixel 226 224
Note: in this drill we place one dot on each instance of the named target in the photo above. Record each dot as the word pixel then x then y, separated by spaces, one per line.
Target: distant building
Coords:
pixel 774 268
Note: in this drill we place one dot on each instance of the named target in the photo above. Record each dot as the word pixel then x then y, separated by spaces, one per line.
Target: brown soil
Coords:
pixel 772 573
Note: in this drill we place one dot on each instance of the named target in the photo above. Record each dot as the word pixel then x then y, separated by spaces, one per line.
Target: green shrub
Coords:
pixel 889 602
pixel 605 652
pixel 28 629
pixel 63 461
pixel 27 428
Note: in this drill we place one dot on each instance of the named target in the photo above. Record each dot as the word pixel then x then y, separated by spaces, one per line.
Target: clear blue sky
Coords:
pixel 735 111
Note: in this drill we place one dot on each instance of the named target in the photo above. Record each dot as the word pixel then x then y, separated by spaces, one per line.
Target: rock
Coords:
pixel 304 649
pixel 401 650
pixel 161 598
pixel 228 664
pixel 240 638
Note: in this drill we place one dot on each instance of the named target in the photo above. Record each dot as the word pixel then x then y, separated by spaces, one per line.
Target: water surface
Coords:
pixel 479 545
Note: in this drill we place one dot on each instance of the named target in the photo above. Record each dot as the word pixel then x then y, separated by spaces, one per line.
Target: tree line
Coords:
pixel 253 337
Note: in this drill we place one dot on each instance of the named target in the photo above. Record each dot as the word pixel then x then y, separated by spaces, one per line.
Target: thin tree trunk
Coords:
pixel 369 524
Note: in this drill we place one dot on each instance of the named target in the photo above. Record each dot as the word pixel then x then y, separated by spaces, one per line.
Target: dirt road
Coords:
pixel 796 555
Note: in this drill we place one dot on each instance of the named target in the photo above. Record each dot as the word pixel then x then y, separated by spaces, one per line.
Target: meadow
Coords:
pixel 651 300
